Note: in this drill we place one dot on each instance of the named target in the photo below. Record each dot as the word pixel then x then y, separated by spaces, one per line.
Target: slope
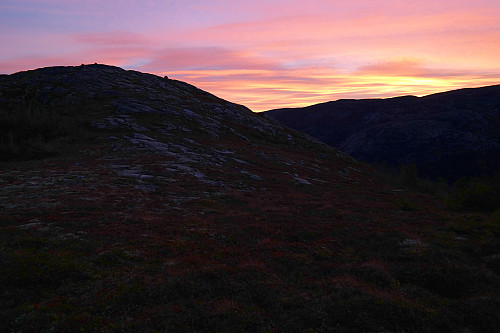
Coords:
pixel 131 202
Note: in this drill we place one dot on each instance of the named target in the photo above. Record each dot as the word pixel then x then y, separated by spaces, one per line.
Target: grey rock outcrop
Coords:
pixel 130 115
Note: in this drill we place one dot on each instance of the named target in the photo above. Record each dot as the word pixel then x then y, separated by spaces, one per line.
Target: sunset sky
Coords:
pixel 266 54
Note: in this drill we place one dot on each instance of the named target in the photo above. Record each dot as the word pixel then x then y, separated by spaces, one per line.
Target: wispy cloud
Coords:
pixel 206 58
pixel 124 38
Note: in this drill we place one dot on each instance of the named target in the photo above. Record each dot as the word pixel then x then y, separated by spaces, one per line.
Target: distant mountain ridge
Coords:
pixel 450 134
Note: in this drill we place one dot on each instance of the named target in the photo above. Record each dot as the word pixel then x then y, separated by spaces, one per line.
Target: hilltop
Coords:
pixel 447 135
pixel 131 202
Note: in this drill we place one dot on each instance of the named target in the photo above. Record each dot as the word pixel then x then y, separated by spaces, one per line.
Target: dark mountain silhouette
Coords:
pixel 133 203
pixel 451 134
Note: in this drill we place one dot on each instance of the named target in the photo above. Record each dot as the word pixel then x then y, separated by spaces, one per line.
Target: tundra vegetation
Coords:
pixel 148 205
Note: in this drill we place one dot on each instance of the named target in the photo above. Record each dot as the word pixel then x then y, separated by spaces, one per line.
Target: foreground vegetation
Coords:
pixel 250 269
pixel 294 286
pixel 295 258
pixel 474 194
pixel 134 203
pixel 30 129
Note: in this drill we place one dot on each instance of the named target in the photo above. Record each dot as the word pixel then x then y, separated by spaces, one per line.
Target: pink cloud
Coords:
pixel 403 67
pixel 206 58
pixel 26 63
pixel 363 25
pixel 112 38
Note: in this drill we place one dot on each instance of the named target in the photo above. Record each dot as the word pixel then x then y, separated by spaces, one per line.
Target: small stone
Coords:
pixel 301 181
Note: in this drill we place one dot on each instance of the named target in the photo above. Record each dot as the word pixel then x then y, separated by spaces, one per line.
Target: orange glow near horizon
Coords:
pixel 270 93
pixel 267 54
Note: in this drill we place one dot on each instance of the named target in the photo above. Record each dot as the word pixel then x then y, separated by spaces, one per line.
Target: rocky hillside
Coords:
pixel 131 202
pixel 447 135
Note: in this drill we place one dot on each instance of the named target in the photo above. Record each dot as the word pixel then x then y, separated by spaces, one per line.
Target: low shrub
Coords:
pixel 476 194
pixel 38 269
pixel 32 129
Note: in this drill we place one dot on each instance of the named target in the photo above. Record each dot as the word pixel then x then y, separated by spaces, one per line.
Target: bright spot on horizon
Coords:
pixel 266 54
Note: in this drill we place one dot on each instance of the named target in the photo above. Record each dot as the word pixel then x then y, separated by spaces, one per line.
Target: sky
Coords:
pixel 266 54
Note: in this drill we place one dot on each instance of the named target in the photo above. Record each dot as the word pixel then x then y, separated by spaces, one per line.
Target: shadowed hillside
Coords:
pixel 449 135
pixel 135 203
